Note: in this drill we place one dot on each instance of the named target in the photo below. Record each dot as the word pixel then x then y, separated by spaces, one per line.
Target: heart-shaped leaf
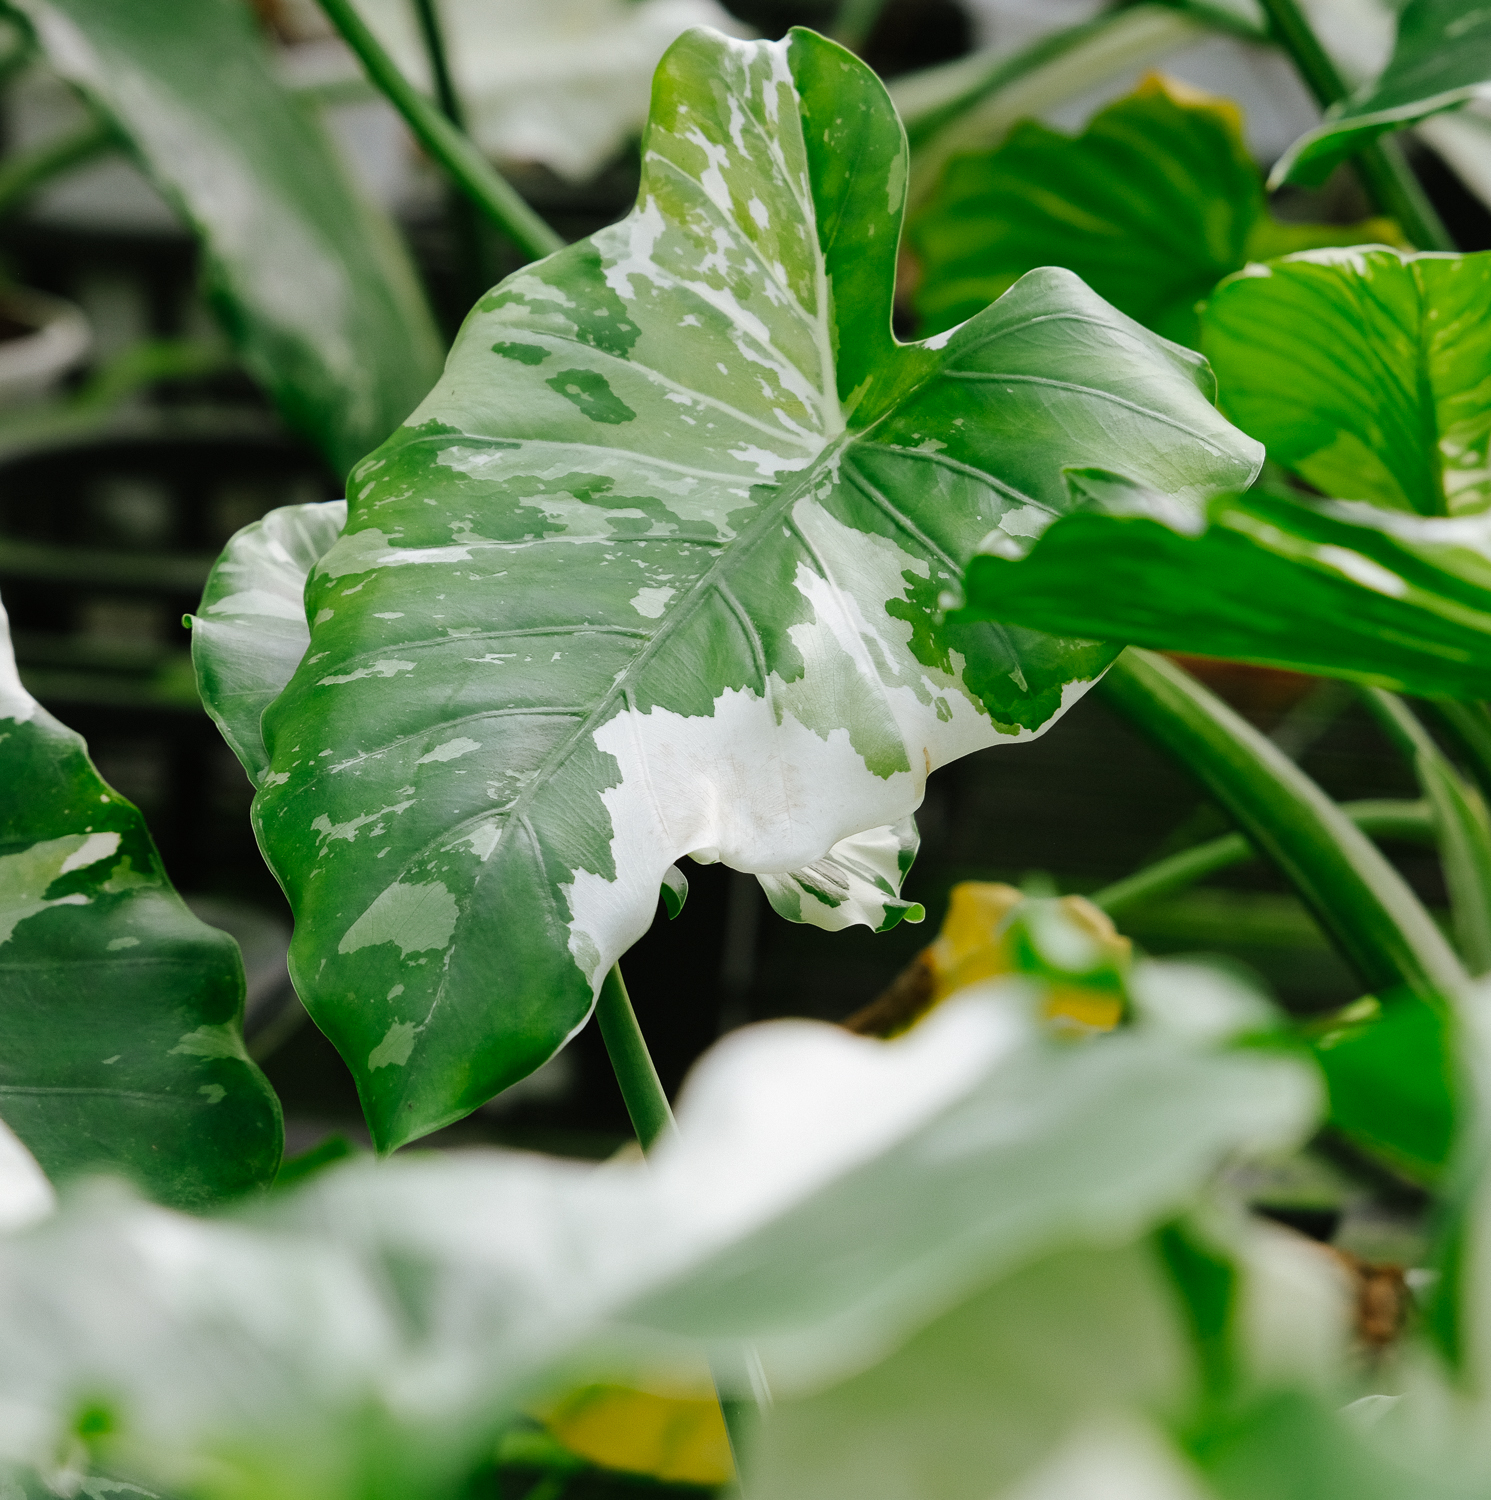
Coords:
pixel 313 283
pixel 655 570
pixel 1328 586
pixel 122 1013
pixel 1442 59
pixel 1365 372
pixel 1152 205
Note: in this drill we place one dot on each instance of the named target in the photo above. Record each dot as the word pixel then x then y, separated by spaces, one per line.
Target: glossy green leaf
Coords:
pixel 826 1198
pixel 1152 205
pixel 122 1013
pixel 310 278
pixel 1442 59
pixel 1328 586
pixel 655 571
pixel 1391 1078
pixel 1365 372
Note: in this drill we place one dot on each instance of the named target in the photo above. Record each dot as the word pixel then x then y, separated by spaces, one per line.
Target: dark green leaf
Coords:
pixel 1365 372
pixel 673 588
pixel 317 291
pixel 1390 1072
pixel 122 1013
pixel 1151 206
pixel 1325 586
pixel 1442 59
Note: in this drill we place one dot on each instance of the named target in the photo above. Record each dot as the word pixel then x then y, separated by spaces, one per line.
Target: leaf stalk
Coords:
pixel 1357 896
pixel 1384 171
pixel 456 153
pixel 641 1088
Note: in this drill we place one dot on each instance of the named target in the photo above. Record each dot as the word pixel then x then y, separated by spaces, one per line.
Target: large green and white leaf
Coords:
pixel 1327 586
pixel 655 571
pixel 827 1197
pixel 251 635
pixel 1365 372
pixel 1152 205
pixel 1442 59
pixel 121 1013
pixel 317 291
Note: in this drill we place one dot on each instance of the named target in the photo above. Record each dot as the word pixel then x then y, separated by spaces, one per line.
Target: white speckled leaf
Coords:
pixel 656 569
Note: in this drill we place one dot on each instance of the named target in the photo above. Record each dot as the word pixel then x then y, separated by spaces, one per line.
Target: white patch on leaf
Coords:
pixel 651 602
pixel 450 750
pixel 95 847
pixel 417 917
pixel 389 668
pixel 394 1049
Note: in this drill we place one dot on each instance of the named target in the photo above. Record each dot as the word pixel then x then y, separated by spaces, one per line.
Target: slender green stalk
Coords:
pixel 434 40
pixel 479 265
pixel 646 1103
pixel 26 171
pixel 1360 900
pixel 1385 174
pixel 1462 827
pixel 457 155
pixel 1469 726
pixel 1377 819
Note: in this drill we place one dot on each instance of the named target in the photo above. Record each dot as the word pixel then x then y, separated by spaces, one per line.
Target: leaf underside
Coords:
pixel 656 569
pixel 122 1013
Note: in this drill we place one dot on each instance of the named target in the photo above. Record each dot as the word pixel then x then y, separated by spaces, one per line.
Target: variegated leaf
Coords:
pixel 121 1013
pixel 656 569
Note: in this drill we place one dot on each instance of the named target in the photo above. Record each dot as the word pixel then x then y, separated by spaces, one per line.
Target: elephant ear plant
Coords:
pixel 655 570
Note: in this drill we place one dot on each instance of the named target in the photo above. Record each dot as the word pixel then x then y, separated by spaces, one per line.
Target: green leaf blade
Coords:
pixel 1152 205
pixel 321 299
pixel 123 1013
pixel 656 571
pixel 1442 59
pixel 1364 372
pixel 1344 590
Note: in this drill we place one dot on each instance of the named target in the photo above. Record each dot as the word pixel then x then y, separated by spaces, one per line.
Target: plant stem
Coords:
pixel 1377 819
pixel 479 265
pixel 1469 726
pixel 646 1103
pixel 1385 173
pixel 467 167
pixel 26 171
pixel 434 40
pixel 1360 900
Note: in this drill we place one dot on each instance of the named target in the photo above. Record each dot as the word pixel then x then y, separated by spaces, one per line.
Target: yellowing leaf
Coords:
pixel 992 930
pixel 679 1438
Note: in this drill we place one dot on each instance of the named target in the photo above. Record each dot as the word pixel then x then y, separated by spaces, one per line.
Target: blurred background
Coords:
pixel 133 445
